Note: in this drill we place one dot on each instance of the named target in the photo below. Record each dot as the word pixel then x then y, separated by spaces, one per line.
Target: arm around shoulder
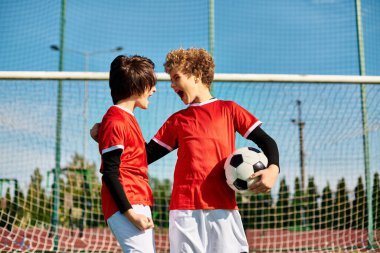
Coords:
pixel 95 131
pixel 154 151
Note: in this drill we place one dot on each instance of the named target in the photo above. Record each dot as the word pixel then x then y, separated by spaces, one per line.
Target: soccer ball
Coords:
pixel 240 165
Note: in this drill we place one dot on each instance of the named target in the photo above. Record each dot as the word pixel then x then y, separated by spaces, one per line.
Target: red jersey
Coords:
pixel 120 130
pixel 204 134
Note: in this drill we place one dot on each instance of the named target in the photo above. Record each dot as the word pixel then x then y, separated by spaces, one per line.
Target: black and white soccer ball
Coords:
pixel 240 165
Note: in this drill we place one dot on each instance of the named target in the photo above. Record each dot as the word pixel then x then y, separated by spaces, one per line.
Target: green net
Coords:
pixel 329 213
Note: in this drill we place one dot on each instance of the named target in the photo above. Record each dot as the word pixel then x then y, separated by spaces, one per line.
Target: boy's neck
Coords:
pixel 128 104
pixel 204 95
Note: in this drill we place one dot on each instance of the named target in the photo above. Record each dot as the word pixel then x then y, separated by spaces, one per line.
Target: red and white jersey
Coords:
pixel 204 134
pixel 120 130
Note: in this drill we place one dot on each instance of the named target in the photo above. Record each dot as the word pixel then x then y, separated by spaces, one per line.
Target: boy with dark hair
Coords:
pixel 126 194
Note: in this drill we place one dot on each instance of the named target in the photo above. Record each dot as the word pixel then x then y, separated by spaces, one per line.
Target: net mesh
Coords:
pixel 297 37
pixel 330 212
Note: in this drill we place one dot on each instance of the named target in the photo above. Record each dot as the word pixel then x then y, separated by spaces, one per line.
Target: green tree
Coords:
pixel 282 205
pixel 297 205
pixel 376 201
pixel 342 207
pixel 82 194
pixel 268 210
pixel 327 208
pixel 261 211
pixel 5 213
pixel 161 194
pixel 37 204
pixel 311 205
pixel 9 207
pixel 359 207
pixel 15 205
pixel 19 202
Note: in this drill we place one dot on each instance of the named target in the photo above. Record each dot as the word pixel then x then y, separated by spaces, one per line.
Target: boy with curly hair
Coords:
pixel 204 216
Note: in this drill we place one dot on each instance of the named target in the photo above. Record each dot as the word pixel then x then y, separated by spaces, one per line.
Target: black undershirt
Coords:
pixel 266 144
pixel 111 164
pixel 154 151
pixel 262 139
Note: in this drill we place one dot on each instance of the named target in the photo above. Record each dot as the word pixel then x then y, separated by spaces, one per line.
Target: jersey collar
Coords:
pixel 204 103
pixel 124 109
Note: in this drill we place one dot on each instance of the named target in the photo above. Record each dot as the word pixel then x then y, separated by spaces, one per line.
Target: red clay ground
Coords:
pixel 268 240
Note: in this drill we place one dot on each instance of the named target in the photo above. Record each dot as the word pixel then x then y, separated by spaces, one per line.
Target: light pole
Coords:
pixel 86 55
pixel 301 125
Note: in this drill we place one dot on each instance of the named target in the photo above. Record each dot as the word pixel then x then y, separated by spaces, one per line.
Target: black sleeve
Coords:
pixel 111 163
pixel 155 151
pixel 266 144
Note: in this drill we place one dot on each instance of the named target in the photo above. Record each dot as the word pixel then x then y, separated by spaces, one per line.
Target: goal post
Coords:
pixel 231 77
pixel 330 201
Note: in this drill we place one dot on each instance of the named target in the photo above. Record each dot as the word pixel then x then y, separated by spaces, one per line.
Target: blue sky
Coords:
pixel 272 36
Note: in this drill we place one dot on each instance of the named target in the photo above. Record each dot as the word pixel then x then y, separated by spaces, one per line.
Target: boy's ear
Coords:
pixel 197 79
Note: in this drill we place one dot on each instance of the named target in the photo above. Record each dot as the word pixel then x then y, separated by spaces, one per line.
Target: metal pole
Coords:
pixel 57 169
pixel 211 31
pixel 363 99
pixel 85 108
pixel 301 125
pixel 211 28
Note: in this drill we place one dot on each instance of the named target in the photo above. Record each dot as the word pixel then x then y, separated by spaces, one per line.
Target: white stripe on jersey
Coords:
pixel 163 144
pixel 106 150
pixel 258 123
pixel 203 103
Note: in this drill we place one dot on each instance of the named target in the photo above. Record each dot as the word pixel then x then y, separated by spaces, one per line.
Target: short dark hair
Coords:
pixel 130 75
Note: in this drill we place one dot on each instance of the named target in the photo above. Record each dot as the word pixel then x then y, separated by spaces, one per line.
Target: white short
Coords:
pixel 206 231
pixel 130 238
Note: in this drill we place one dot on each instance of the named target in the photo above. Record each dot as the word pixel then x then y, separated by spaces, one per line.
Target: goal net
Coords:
pixel 326 120
pixel 327 129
